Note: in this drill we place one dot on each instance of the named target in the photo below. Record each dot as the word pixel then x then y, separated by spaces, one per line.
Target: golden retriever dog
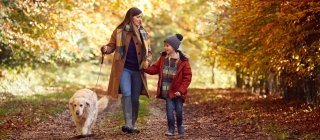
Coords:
pixel 84 107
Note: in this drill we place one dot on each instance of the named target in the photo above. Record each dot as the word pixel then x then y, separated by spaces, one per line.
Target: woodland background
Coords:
pixel 266 49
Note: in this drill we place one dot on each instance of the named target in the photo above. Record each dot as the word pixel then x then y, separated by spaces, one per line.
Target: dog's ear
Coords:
pixel 87 102
pixel 71 104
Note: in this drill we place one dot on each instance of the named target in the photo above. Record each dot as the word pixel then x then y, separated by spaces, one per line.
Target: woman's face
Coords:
pixel 168 48
pixel 137 20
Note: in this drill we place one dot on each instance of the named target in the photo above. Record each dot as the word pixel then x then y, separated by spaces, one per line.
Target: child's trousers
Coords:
pixel 171 106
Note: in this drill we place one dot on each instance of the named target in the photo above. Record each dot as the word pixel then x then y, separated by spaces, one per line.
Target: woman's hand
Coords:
pixel 103 49
pixel 177 93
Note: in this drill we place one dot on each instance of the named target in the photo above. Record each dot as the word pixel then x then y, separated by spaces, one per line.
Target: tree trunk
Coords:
pixel 270 83
pixel 212 75
pixel 239 80
pixel 296 91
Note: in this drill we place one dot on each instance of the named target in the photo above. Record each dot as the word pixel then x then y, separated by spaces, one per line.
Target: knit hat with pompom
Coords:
pixel 174 41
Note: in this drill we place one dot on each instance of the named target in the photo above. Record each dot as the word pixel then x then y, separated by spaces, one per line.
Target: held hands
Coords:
pixel 146 65
pixel 177 93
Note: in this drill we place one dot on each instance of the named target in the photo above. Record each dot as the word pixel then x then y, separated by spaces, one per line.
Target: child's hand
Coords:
pixel 177 93
pixel 146 65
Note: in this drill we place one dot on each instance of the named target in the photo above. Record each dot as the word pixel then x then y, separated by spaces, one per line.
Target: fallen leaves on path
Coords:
pixel 208 114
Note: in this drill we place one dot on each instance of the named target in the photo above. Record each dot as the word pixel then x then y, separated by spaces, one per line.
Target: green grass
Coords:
pixel 25 110
pixel 11 107
pixel 144 112
pixel 277 132
pixel 51 78
pixel 281 133
pixel 35 106
pixel 310 137
pixel 35 95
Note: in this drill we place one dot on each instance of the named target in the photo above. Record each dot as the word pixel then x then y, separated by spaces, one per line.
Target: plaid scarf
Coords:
pixel 142 36
pixel 168 73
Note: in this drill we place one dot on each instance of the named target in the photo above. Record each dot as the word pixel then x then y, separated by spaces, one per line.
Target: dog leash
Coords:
pixel 101 63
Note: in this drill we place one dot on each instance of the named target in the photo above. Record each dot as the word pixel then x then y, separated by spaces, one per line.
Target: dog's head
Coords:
pixel 78 105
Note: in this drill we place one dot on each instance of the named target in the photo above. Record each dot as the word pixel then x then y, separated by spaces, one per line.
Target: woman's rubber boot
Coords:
pixel 127 113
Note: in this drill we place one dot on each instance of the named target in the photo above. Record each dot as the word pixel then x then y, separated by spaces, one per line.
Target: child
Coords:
pixel 174 78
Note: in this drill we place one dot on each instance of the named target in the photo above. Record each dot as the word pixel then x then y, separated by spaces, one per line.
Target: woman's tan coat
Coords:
pixel 118 64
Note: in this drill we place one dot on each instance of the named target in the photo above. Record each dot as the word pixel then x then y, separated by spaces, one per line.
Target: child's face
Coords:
pixel 168 48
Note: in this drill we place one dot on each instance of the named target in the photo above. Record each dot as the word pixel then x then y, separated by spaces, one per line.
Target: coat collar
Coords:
pixel 173 56
pixel 182 56
pixel 181 62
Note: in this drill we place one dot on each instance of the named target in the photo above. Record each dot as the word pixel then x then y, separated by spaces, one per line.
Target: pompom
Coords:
pixel 179 36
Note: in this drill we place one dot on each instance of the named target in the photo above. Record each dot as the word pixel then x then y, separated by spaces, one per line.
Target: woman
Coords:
pixel 130 42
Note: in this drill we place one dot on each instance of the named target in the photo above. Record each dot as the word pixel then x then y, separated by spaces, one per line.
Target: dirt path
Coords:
pixel 107 126
pixel 221 115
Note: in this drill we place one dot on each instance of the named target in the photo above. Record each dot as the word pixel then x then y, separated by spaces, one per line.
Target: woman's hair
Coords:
pixel 129 15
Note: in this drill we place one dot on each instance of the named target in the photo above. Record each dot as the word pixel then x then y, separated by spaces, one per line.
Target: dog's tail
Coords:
pixel 103 103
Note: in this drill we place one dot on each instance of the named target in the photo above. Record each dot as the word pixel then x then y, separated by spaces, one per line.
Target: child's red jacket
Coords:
pixel 181 80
